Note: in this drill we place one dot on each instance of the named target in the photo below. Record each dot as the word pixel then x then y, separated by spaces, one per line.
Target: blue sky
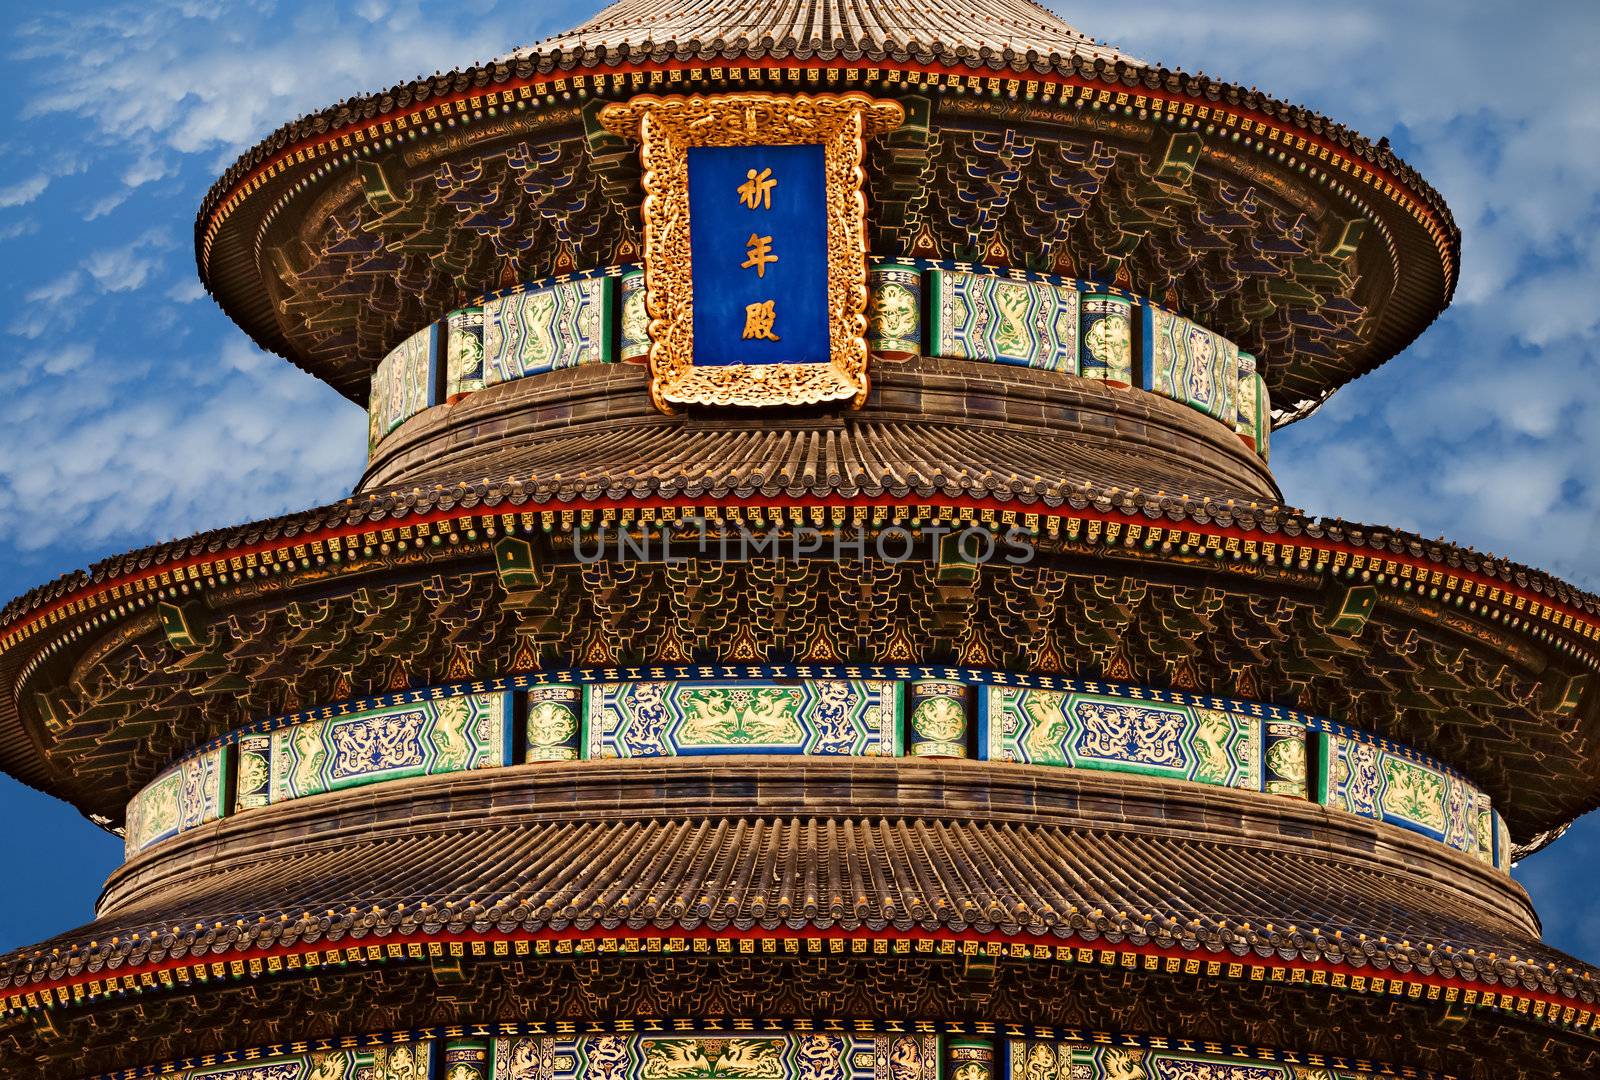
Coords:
pixel 132 411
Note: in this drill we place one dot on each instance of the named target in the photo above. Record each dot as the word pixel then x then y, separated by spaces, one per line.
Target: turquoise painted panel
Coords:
pixel 468 1059
pixel 1254 420
pixel 1244 419
pixel 635 344
pixel 986 317
pixel 1488 827
pixel 1093 731
pixel 463 352
pixel 1107 337
pixel 1051 1059
pixel 1502 844
pixel 894 319
pixel 555 723
pixel 1383 784
pixel 936 719
pixel 402 386
pixel 739 1056
pixel 666 719
pixel 1189 363
pixel 449 734
pixel 184 797
pixel 1283 759
pixel 404 1061
pixel 547 328
pixel 254 787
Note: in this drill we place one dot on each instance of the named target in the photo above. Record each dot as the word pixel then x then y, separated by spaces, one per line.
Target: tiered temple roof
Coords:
pixel 429 767
pixel 1314 246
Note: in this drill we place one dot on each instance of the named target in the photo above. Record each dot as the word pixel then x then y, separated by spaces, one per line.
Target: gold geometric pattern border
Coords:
pixel 667 127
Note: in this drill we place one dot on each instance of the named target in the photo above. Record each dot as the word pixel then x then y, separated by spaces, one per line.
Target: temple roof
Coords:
pixel 1483 675
pixel 1318 250
pixel 814 845
pixel 931 423
pixel 800 26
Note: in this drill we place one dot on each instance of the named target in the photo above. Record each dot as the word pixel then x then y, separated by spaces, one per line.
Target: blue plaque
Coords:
pixel 755 245
pixel 758 235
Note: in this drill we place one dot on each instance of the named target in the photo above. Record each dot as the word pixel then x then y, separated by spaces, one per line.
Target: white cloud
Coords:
pixel 23 192
pixel 133 455
pixel 57 290
pixel 147 169
pixel 17 229
pixel 105 205
pixel 175 75
pixel 120 269
pixel 62 361
pixel 186 291
pixel 126 268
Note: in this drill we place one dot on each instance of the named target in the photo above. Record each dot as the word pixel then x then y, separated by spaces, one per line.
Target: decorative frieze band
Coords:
pixel 770 1050
pixel 821 710
pixel 954 311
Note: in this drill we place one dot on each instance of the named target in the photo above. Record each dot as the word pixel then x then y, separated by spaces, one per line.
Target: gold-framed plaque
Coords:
pixel 755 243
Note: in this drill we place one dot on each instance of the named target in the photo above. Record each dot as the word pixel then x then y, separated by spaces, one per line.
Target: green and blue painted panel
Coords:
pixel 403 384
pixel 894 318
pixel 842 710
pixel 547 328
pixel 1254 420
pixel 186 796
pixel 1385 783
pixel 443 735
pixel 1283 759
pixel 634 347
pixel 1050 1059
pixel 1097 731
pixel 468 1059
pixel 743 1056
pixel 463 352
pixel 555 723
pixel 819 716
pixel 1502 841
pixel 254 787
pixel 1026 322
pixel 401 1061
pixel 1186 362
pixel 936 719
pixel 1106 352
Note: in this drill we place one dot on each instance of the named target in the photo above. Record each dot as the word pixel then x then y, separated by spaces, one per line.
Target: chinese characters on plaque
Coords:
pixel 758 239
pixel 762 316
pixel 755 247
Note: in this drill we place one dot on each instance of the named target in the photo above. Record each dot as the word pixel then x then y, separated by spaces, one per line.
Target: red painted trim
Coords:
pixel 936 502
pixel 644 936
pixel 1312 140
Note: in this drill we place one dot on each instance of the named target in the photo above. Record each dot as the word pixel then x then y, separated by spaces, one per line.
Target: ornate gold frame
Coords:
pixel 666 128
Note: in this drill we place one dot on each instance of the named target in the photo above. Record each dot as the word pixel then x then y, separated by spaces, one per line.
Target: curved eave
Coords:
pixel 1547 617
pixel 899 855
pixel 298 156
pixel 86 591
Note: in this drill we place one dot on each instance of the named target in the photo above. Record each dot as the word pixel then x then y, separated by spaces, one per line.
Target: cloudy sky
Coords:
pixel 131 411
